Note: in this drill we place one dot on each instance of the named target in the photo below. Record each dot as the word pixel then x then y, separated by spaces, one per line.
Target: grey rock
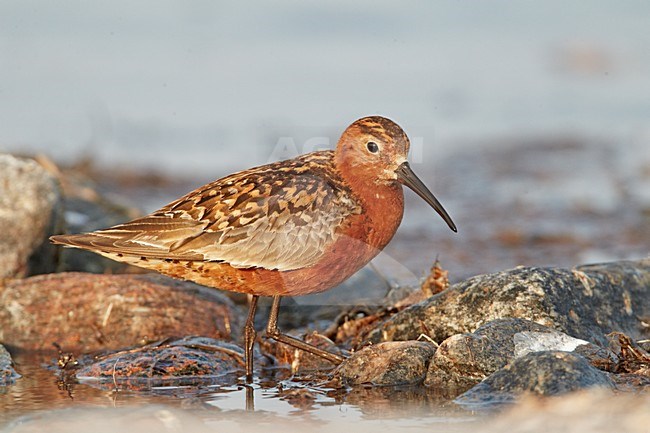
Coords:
pixel 30 211
pixel 586 302
pixel 463 360
pixel 603 358
pixel 540 373
pixel 390 363
pixel 8 374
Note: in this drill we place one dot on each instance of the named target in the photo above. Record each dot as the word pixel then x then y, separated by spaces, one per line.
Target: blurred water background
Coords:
pixel 512 106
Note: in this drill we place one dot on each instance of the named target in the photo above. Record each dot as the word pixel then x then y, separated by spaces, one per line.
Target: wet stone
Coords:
pixel 390 363
pixel 190 358
pixel 540 373
pixel 8 374
pixel 30 211
pixel 586 302
pixel 88 312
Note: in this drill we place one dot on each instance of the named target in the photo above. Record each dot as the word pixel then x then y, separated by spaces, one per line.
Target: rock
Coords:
pixel 87 312
pixel 30 211
pixel 550 340
pixel 188 360
pixel 7 373
pixel 586 302
pixel 463 360
pixel 390 363
pixel 541 373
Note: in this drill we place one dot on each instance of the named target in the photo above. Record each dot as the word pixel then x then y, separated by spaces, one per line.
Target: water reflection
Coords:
pixel 275 393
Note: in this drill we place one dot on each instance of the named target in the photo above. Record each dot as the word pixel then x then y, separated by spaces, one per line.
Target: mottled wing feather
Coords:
pixel 279 216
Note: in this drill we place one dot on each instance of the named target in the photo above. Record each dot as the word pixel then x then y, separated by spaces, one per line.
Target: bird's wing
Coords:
pixel 279 216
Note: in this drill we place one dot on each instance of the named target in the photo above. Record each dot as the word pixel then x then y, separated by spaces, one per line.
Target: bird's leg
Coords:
pixel 249 338
pixel 273 332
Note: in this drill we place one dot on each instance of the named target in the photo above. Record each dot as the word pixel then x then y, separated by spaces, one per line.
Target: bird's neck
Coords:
pixel 382 204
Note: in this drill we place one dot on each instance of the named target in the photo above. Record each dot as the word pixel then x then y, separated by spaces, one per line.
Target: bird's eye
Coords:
pixel 372 147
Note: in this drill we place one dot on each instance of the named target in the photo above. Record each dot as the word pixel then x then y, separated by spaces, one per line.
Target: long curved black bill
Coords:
pixel 406 176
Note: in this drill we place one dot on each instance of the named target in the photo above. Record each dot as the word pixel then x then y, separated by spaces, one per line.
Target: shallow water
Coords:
pixel 275 394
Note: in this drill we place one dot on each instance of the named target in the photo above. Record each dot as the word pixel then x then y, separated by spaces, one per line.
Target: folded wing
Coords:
pixel 280 216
